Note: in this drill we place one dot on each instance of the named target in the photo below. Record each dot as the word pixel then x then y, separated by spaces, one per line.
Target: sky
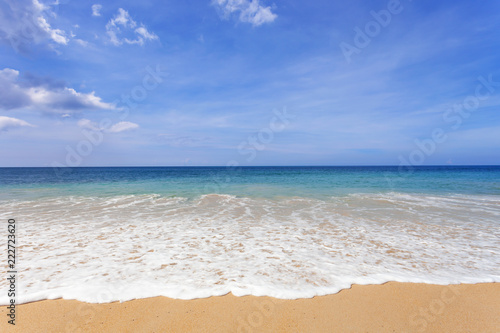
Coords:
pixel 249 82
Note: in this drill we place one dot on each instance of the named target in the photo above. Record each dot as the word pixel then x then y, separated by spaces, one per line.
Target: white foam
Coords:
pixel 125 247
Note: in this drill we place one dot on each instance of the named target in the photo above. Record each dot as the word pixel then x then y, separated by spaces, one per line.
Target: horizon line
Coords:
pixel 255 166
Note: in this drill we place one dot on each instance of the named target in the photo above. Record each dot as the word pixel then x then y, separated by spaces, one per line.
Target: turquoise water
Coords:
pixel 314 182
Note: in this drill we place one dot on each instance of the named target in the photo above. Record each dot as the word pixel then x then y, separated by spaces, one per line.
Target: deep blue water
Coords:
pixel 19 183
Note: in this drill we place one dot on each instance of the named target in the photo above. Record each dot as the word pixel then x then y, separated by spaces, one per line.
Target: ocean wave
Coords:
pixel 116 248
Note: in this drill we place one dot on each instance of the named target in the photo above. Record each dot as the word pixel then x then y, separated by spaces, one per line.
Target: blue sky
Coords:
pixel 249 82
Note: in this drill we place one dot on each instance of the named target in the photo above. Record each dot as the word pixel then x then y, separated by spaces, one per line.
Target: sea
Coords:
pixel 115 234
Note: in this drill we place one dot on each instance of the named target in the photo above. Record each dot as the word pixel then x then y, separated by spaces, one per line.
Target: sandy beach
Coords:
pixel 391 307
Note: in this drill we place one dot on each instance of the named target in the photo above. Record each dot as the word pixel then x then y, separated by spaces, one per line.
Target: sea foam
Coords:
pixel 104 249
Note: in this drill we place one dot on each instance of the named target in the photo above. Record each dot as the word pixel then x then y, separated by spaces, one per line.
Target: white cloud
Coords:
pixel 96 10
pixel 26 22
pixel 122 126
pixel 122 23
pixel 123 18
pixel 249 11
pixel 44 94
pixel 56 35
pixel 66 98
pixel 81 42
pixel 116 128
pixel 146 34
pixel 85 123
pixel 7 123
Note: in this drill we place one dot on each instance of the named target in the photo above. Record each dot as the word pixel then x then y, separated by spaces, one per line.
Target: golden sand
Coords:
pixel 391 307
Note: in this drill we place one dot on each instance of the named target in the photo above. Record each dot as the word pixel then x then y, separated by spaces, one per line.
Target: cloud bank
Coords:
pixel 44 94
pixel 26 22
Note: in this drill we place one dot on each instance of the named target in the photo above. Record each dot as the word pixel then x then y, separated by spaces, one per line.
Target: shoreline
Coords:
pixel 393 306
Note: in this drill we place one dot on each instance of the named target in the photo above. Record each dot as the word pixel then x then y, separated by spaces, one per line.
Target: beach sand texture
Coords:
pixel 390 307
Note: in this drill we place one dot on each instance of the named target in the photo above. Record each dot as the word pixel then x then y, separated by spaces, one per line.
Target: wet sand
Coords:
pixel 391 307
